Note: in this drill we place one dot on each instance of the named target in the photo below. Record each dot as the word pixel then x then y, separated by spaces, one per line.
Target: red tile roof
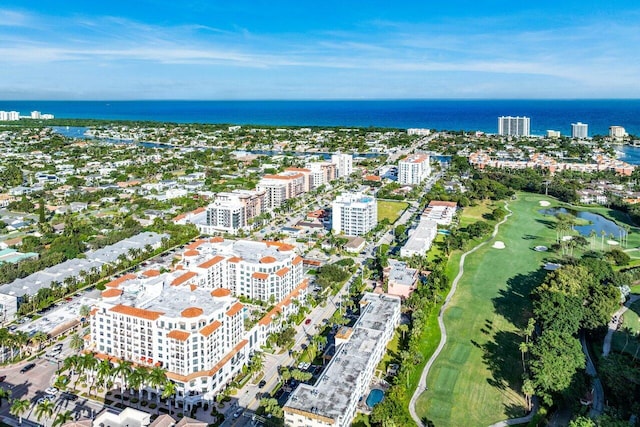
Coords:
pixel 182 279
pixel 235 309
pixel 136 312
pixel 210 328
pixel 179 335
pixel 192 312
pixel 213 261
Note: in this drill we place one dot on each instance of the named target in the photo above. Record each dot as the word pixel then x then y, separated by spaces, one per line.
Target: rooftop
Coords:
pixel 329 398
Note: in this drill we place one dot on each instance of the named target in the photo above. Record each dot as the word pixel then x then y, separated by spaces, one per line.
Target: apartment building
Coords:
pixel 283 186
pixel 344 164
pixel 196 334
pixel 579 130
pixel 514 126
pixel 617 132
pixel 354 214
pixel 334 398
pixel 266 271
pixel 233 211
pixel 321 173
pixel 420 238
pixel 414 169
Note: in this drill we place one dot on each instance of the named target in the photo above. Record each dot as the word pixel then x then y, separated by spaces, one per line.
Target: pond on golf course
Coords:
pixel 596 223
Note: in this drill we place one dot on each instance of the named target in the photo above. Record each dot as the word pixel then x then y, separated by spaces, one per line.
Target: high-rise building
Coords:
pixel 414 169
pixel 35 114
pixel 283 186
pixel 9 116
pixel 514 126
pixel 344 164
pixel 579 130
pixel 617 132
pixel 354 214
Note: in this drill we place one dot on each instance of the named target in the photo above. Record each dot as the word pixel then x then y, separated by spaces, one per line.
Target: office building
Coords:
pixel 414 169
pixel 344 164
pixel 579 130
pixel 354 214
pixel 513 126
pixel 333 400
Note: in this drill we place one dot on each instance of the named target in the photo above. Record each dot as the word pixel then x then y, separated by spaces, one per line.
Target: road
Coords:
pixel 597 405
pixel 31 385
pixel 615 322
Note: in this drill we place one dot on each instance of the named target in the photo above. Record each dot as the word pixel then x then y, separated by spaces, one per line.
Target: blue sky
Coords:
pixel 199 49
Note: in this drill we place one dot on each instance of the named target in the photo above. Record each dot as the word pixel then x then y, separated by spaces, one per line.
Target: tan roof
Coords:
pixel 190 422
pixel 164 420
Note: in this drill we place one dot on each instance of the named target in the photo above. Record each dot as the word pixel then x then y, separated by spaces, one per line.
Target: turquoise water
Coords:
pixel 375 396
pixel 445 232
pixel 597 222
pixel 482 115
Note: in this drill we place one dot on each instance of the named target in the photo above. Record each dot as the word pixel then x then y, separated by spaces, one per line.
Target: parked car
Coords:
pixel 51 390
pixel 27 367
pixel 262 384
pixel 238 413
pixel 306 322
pixel 69 396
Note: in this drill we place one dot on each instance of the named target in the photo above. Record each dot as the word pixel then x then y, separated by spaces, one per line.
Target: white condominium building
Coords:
pixel 332 401
pixel 354 214
pixel 514 126
pixel 617 132
pixel 579 130
pixel 9 116
pixel 419 131
pixel 195 334
pixel 344 164
pixel 420 239
pixel 414 169
pixel 266 271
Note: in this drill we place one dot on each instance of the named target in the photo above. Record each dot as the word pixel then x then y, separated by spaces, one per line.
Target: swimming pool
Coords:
pixel 375 396
pixel 445 232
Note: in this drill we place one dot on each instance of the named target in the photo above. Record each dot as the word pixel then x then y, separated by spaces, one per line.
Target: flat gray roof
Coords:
pixel 72 268
pixel 335 389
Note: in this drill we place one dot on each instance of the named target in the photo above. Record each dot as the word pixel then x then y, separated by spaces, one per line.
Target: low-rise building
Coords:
pixel 420 238
pixel 440 212
pixel 332 401
pixel 401 279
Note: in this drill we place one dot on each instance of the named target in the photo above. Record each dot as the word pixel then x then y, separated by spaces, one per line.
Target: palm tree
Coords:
pixel 44 409
pixel 19 407
pixel 528 389
pixel 403 327
pixel 20 339
pixel 76 343
pixel 122 371
pixel 38 338
pixel 156 378
pixel 62 418
pixel 167 393
pixel 104 372
pixel 4 395
pixel 88 365
pixel 524 348
pixel 137 379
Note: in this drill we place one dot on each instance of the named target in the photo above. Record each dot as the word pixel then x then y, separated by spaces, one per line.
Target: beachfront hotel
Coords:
pixel 414 169
pixel 334 398
pixel 354 214
pixel 514 126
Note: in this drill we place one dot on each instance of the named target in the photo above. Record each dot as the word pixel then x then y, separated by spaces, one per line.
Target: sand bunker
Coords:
pixel 551 266
pixel 498 245
pixel 544 203
pixel 612 243
pixel 566 238
pixel 541 248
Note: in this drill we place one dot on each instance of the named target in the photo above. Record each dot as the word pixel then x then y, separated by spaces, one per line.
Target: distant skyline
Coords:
pixel 197 49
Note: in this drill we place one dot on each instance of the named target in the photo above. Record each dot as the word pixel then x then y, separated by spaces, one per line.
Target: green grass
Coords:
pixel 471 214
pixel 635 289
pixel 476 379
pixel 361 420
pixel 628 342
pixel 390 210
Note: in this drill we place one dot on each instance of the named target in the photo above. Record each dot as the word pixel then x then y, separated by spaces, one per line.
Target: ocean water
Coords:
pixel 467 115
